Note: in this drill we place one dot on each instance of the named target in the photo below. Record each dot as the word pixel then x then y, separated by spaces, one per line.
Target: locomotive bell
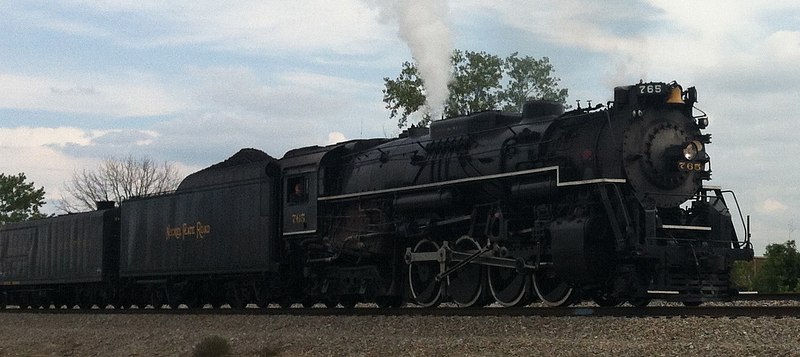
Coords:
pixel 675 96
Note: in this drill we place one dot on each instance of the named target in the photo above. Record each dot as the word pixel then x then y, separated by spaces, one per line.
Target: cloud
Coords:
pixel 652 39
pixel 336 137
pixel 327 83
pixel 76 142
pixel 129 94
pixel 111 143
pixel 344 26
pixel 27 137
pixel 293 94
pixel 596 26
pixel 772 206
pixel 36 152
pixel 220 110
pixel 49 156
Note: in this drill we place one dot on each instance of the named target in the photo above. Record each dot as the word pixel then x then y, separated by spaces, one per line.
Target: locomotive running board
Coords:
pixel 474 179
pixel 663 292
pixel 688 228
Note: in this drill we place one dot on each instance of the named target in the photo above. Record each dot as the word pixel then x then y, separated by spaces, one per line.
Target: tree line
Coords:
pixel 778 273
pixel 480 81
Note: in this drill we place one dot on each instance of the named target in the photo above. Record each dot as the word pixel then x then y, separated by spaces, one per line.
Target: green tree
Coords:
pixel 476 85
pixel 530 78
pixel 19 200
pixel 742 275
pixel 781 269
pixel 403 96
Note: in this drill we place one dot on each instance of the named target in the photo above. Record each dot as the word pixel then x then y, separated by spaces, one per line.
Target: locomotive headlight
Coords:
pixel 691 149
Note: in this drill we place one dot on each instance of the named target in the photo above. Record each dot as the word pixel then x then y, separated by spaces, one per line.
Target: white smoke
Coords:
pixel 424 27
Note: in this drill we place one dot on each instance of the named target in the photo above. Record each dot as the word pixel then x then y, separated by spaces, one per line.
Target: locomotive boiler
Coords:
pixel 609 203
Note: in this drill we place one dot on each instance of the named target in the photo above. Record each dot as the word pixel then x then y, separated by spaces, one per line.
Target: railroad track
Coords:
pixel 623 311
pixel 765 297
pixel 653 311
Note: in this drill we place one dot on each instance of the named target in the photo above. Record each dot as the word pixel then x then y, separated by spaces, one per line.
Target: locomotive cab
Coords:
pixel 299 188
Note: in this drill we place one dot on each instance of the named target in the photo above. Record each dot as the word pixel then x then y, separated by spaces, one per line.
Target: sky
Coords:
pixel 193 82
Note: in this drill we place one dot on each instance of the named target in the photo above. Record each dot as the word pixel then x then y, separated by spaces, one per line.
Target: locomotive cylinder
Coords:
pixel 534 189
pixel 424 201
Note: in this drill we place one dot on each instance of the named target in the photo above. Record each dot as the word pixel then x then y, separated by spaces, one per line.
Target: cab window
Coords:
pixel 296 190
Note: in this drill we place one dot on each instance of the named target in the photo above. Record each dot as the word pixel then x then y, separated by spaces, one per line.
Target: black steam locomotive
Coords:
pixel 602 203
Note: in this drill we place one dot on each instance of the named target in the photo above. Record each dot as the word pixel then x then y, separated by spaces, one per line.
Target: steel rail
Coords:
pixel 631 312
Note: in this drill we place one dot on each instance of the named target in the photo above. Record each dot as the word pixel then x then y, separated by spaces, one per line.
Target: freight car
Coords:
pixel 605 203
pixel 66 260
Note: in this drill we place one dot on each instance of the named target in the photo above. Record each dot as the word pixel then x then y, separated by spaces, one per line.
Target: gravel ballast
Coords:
pixel 163 335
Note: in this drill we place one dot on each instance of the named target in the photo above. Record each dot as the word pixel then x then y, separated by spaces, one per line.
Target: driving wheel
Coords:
pixel 509 286
pixel 425 289
pixel 467 285
pixel 551 290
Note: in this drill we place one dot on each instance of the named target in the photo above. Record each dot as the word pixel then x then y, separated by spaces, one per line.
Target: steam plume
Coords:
pixel 423 26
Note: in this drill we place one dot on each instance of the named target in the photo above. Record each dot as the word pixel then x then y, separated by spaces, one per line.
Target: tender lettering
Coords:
pixel 197 230
pixel 202 230
pixel 299 218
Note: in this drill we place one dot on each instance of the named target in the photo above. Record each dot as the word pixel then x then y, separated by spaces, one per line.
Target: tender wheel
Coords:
pixel 396 302
pixel 467 285
pixel 425 289
pixel 158 299
pixel 552 291
pixel 639 302
pixel 389 302
pixel 509 287
pixel 330 303
pixel 307 304
pixel 349 302
pixel 195 303
pixel 603 299
pixel 236 301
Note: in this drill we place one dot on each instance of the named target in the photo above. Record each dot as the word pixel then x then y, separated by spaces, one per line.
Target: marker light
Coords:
pixel 702 122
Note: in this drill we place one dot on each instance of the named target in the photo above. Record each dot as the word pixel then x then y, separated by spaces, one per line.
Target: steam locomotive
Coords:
pixel 605 203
